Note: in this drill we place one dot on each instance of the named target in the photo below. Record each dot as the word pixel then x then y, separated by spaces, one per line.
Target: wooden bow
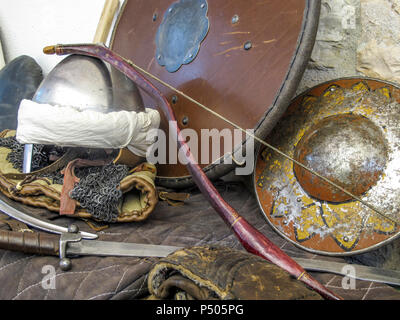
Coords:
pixel 252 240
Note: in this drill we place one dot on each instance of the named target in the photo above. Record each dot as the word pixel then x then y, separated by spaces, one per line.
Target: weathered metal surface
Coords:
pixel 361 156
pixel 348 149
pixel 178 39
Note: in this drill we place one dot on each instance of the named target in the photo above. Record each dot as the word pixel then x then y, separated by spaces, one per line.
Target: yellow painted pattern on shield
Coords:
pixel 341 221
pixel 309 220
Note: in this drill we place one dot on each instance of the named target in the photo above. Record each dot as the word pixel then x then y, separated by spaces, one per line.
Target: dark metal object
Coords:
pixel 98 191
pixel 248 45
pixel 185 121
pixel 184 27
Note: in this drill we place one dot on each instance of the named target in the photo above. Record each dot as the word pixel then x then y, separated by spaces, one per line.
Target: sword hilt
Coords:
pixel 30 242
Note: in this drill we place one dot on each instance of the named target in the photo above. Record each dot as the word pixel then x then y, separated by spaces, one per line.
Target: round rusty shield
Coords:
pixel 348 131
pixel 243 60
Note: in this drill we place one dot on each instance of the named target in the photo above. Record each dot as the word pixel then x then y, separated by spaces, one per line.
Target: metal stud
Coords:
pixel 73 228
pixel 185 120
pixel 174 99
pixel 235 19
pixel 248 45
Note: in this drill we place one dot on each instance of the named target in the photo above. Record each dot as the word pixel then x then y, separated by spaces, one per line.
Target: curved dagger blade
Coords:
pixel 38 223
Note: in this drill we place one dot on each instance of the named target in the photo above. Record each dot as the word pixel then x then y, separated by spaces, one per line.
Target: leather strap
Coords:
pixel 16 225
pixel 173 198
pixel 68 205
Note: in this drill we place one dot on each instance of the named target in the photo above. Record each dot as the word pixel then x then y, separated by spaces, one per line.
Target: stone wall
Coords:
pixel 356 38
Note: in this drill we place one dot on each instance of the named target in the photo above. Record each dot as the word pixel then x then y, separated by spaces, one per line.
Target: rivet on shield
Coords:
pixel 248 45
pixel 185 121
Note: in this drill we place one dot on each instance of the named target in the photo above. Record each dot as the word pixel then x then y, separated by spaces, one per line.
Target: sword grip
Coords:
pixel 30 242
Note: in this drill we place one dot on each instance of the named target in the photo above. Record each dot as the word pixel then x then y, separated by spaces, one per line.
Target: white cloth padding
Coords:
pixel 68 127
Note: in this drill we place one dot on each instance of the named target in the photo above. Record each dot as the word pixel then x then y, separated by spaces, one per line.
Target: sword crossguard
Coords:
pixel 72 235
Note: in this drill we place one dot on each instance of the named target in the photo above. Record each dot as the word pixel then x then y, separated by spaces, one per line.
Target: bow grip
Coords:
pixel 30 242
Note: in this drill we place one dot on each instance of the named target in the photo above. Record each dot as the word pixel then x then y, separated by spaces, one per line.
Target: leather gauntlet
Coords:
pixel 219 273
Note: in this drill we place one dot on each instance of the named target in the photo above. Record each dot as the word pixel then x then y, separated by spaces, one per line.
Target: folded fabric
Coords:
pixel 67 126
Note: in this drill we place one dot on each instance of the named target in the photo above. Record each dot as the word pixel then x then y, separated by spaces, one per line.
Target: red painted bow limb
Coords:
pixel 252 240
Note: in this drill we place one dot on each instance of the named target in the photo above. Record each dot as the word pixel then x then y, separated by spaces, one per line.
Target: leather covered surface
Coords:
pixel 92 278
pixel 249 87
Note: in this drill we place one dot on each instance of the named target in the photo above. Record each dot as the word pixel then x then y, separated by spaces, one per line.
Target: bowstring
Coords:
pixel 209 110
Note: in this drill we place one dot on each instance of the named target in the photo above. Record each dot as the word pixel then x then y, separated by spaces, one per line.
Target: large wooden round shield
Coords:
pixel 242 59
pixel 347 131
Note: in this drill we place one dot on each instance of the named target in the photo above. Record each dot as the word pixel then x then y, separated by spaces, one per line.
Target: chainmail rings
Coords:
pixel 40 155
pixel 98 190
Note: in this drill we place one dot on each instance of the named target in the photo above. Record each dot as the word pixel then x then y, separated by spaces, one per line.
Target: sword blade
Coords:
pixel 360 272
pixel 38 223
pixel 121 249
pixel 27 162
pixel 118 249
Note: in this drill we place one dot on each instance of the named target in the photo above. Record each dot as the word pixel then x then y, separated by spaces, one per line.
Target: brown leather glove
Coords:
pixel 207 273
